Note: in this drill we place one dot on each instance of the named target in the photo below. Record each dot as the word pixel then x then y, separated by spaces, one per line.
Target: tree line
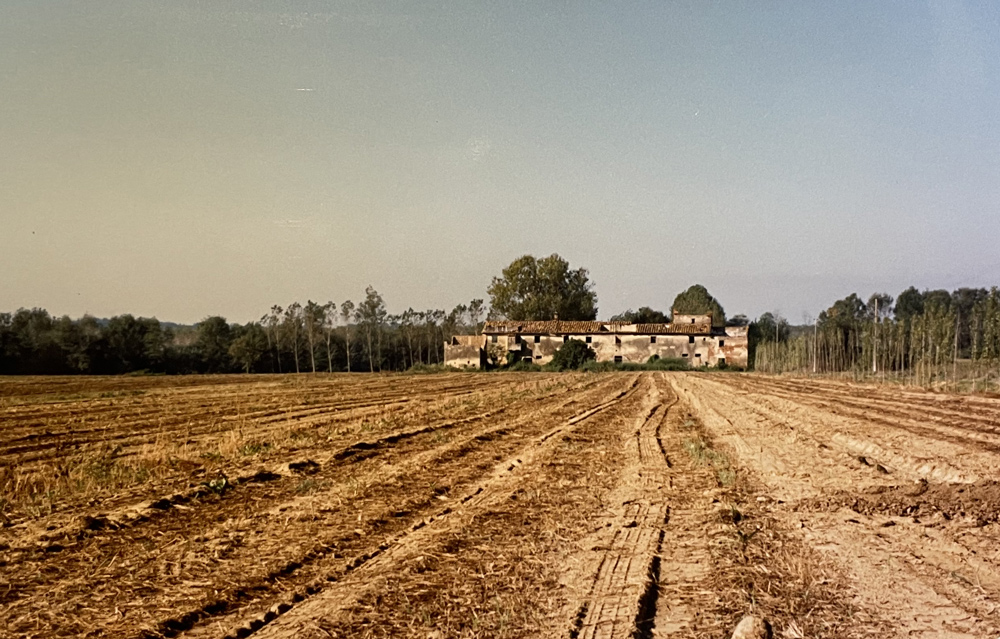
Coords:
pixel 920 337
pixel 310 337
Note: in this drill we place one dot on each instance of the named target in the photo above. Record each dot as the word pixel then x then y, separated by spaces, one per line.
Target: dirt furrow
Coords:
pixel 957 428
pixel 386 500
pixel 329 612
pixel 924 576
pixel 178 462
pixel 963 413
pixel 130 432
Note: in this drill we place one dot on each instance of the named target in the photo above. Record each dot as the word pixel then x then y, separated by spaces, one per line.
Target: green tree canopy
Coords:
pixel 882 302
pixel 845 314
pixel 214 339
pixel 249 347
pixel 909 304
pixel 771 327
pixel 939 300
pixel 644 315
pixel 541 289
pixel 696 301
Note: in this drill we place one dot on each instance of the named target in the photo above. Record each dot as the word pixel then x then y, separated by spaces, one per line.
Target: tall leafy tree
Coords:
pixel 249 347
pixel 696 300
pixel 909 304
pixel 292 327
pixel 476 310
pixel 965 301
pixel 8 355
pixel 329 326
pixel 879 306
pixel 542 289
pixel 213 342
pixel 371 314
pixel 272 324
pixel 770 327
pixel 847 313
pixel 346 312
pixel 844 320
pixel 312 319
pixel 134 344
pixel 939 300
pixel 435 319
pixel 407 328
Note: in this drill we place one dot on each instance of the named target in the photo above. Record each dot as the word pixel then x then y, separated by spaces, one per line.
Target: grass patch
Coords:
pixel 652 364
pixel 253 448
pixel 702 453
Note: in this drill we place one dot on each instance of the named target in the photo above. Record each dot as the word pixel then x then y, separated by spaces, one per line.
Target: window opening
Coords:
pixel 652 339
pixel 588 339
pixel 618 359
pixel 538 338
pixel 722 343
pixel 690 339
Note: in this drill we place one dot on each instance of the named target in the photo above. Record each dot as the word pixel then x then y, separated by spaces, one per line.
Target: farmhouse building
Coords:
pixel 689 337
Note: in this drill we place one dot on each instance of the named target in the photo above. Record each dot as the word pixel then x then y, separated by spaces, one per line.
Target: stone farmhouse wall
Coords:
pixel 695 341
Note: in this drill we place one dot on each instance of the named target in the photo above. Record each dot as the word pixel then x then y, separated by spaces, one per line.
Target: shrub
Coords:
pixel 525 365
pixel 600 367
pixel 572 355
pixel 652 364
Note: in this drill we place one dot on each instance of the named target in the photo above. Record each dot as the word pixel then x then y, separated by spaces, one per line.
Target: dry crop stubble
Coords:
pixel 510 606
pixel 850 482
pixel 70 468
pixel 522 390
pixel 487 505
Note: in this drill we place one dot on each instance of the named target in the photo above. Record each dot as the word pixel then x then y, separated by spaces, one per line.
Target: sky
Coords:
pixel 181 159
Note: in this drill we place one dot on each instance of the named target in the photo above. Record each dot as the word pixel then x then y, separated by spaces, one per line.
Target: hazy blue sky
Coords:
pixel 181 159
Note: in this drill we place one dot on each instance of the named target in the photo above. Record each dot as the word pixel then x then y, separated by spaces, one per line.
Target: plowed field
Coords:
pixel 501 505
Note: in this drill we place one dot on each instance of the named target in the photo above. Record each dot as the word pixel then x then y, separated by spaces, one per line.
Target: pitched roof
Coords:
pixel 550 326
pixel 586 328
pixel 673 329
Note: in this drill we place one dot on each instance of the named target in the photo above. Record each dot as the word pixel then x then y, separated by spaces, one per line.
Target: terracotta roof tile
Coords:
pixel 673 329
pixel 583 328
pixel 551 326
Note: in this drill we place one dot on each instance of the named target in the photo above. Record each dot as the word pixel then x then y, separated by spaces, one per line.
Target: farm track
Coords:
pixel 605 506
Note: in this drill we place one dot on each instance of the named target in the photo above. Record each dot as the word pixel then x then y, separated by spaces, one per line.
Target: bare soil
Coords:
pixel 501 505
